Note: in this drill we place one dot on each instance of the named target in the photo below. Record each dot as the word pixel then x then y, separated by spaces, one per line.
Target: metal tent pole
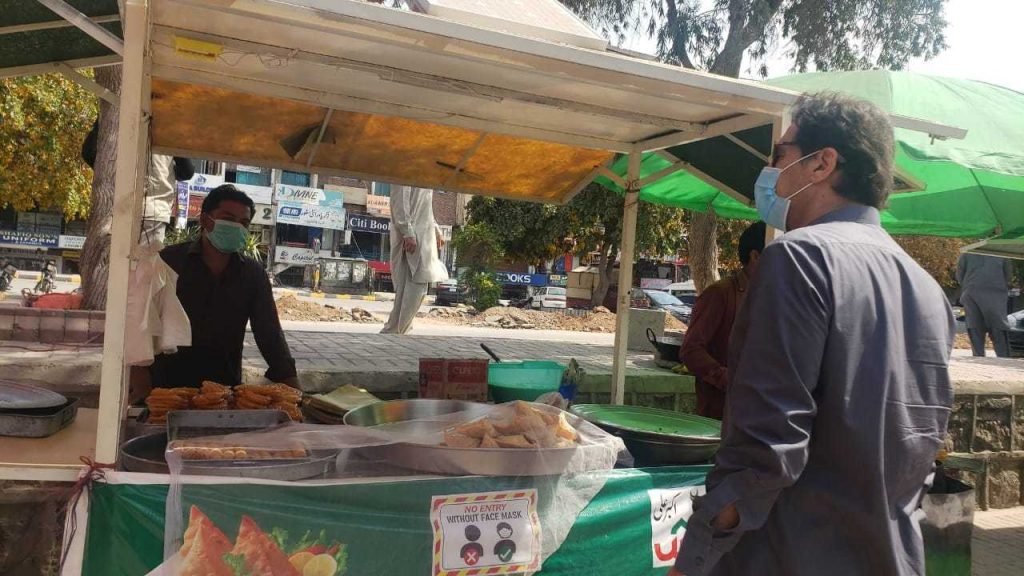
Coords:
pixel 123 229
pixel 626 257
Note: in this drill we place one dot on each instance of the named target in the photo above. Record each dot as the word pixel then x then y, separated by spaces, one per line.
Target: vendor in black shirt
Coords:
pixel 222 291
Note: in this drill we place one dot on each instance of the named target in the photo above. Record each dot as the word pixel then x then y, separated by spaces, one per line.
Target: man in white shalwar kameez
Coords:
pixel 415 265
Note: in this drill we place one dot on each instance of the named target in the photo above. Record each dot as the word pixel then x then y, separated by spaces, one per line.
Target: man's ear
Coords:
pixel 825 165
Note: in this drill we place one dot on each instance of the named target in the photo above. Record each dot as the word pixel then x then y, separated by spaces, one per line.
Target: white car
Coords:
pixel 549 297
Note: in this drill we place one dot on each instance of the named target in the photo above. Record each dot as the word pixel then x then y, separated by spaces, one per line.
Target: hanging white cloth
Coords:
pixel 156 322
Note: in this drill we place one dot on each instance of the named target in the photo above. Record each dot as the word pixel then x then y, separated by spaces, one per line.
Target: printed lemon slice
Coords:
pixel 300 559
pixel 320 565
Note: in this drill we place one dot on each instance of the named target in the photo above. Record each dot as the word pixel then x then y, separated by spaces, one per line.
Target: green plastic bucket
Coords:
pixel 527 380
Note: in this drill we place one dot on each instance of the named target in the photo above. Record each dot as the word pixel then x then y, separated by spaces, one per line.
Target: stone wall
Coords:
pixel 986 440
pixel 31 527
pixel 51 326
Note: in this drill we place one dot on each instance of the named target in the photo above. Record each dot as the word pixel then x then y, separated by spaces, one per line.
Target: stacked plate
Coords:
pixel 33 412
pixel 657 437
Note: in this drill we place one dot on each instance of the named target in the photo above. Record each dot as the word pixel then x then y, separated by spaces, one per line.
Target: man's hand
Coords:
pixel 727 519
pixel 409 244
pixel 440 240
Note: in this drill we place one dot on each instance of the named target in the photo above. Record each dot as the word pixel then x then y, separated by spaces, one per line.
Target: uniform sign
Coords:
pixel 364 223
pixel 41 239
pixel 486 533
pixel 670 510
pixel 294 256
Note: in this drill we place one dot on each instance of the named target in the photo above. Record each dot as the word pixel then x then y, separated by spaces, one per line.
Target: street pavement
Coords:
pixel 998 544
pixel 14 293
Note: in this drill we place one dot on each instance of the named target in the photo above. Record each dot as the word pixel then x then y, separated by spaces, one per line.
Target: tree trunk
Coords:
pixel 605 272
pixel 96 252
pixel 704 249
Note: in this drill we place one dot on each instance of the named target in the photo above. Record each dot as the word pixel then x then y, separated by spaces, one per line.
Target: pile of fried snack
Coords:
pixel 214 396
pixel 221 450
pixel 519 425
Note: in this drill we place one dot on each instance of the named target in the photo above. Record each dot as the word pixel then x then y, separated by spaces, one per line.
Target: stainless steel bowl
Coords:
pixel 394 411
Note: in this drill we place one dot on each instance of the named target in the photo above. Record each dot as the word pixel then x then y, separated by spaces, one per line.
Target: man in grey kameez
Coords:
pixel 840 390
pixel 984 283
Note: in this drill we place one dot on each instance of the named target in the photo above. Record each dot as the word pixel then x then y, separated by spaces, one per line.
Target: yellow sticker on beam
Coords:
pixel 198 49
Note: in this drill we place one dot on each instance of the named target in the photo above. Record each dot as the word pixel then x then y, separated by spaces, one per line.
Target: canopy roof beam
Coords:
pixel 54 25
pixel 703 176
pixel 85 24
pixel 319 137
pixel 710 130
pixel 87 83
pixel 47 67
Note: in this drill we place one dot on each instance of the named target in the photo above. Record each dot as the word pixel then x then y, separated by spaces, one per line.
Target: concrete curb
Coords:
pixel 322 296
pixel 73 278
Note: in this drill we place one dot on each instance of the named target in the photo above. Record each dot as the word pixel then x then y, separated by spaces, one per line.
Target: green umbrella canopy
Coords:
pixel 971 187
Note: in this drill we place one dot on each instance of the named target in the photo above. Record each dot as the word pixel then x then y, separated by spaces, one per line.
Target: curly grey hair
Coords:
pixel 862 135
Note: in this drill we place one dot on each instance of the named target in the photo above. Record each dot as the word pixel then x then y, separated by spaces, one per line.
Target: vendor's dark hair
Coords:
pixel 751 239
pixel 227 193
pixel 860 132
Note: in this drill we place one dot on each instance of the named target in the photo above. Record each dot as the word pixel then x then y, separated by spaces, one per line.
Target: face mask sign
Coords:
pixel 773 208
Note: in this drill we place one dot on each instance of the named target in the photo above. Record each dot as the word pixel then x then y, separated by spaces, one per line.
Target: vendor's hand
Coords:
pixel 409 244
pixel 440 241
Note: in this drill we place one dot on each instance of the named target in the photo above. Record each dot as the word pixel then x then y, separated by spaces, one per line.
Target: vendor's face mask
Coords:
pixel 773 208
pixel 228 237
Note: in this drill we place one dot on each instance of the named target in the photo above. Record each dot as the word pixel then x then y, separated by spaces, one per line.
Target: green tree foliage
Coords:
pixel 479 251
pixel 43 122
pixel 590 223
pixel 722 35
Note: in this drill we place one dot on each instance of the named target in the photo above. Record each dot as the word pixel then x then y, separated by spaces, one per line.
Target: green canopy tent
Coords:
pixel 970 187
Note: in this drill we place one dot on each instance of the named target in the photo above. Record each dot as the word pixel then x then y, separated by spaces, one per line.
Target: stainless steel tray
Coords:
pixel 199 423
pixel 147 454
pixel 38 422
pixel 21 396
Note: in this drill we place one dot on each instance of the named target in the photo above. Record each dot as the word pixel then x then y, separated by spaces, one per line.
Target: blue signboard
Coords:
pixel 40 239
pixel 522 279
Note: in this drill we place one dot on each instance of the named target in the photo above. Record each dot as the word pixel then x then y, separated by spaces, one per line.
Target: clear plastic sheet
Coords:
pixel 539 488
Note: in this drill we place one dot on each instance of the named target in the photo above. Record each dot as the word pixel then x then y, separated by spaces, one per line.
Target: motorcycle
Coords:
pixel 47 282
pixel 7 274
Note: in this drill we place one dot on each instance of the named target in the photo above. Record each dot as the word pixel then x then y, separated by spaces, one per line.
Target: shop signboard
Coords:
pixel 204 183
pixel 21 238
pixel 258 194
pixel 311 215
pixel 655 283
pixel 249 169
pixel 181 188
pixel 522 279
pixel 195 205
pixel 378 205
pixel 264 215
pixel 364 223
pixel 71 242
pixel 351 194
pixel 558 280
pixel 294 256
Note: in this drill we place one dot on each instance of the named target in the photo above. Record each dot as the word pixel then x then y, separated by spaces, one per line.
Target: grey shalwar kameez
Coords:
pixel 837 406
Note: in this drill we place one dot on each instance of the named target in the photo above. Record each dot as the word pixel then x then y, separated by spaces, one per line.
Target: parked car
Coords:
pixel 450 293
pixel 685 291
pixel 660 300
pixel 1016 335
pixel 549 297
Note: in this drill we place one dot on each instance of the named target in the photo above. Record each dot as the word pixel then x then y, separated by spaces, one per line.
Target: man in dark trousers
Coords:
pixel 706 345
pixel 984 283
pixel 223 291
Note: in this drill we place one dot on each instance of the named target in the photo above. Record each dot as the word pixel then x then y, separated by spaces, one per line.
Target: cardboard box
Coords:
pixel 453 379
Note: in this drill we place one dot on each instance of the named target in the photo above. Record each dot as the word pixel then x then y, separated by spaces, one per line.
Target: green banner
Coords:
pixel 387 528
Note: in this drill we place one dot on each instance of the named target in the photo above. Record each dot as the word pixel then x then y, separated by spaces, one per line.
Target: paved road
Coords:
pixel 998 547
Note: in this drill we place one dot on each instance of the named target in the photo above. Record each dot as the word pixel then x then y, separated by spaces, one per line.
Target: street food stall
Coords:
pixel 411 99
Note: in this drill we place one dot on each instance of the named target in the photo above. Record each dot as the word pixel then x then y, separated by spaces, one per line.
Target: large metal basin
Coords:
pixel 395 411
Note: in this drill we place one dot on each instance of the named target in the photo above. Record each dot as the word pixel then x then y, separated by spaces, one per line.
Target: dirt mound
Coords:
pixel 290 307
pixel 599 320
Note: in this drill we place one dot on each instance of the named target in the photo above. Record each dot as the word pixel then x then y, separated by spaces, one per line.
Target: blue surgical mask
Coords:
pixel 228 237
pixel 773 208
